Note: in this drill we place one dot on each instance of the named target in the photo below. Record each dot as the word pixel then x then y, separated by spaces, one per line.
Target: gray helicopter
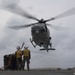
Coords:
pixel 39 30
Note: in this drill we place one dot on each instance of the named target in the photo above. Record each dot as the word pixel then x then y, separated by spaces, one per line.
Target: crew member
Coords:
pixel 26 57
pixel 18 55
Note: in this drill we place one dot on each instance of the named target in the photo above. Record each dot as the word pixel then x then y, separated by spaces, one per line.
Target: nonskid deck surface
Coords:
pixel 39 72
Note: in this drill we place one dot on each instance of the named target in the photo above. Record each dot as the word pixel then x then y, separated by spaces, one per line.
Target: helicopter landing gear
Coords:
pixel 32 43
pixel 50 44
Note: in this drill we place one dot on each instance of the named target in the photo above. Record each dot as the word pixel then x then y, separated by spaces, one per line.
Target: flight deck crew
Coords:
pixel 18 55
pixel 26 57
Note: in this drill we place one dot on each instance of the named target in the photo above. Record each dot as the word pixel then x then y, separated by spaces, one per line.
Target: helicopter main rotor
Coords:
pixel 17 10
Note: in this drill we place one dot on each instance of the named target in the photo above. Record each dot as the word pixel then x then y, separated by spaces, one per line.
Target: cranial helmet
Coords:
pixel 25 47
pixel 18 47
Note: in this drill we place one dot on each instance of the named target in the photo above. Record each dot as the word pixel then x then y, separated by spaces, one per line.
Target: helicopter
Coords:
pixel 39 30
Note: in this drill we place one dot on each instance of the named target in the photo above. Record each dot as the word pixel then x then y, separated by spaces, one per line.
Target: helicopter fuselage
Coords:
pixel 40 34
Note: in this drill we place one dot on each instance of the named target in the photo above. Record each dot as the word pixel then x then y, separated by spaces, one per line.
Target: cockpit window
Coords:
pixel 42 30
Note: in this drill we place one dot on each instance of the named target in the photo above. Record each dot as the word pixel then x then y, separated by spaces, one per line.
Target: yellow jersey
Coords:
pixel 18 53
pixel 26 52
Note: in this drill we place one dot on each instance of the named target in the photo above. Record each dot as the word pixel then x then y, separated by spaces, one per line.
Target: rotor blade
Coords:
pixel 14 8
pixel 21 27
pixel 65 14
pixel 57 27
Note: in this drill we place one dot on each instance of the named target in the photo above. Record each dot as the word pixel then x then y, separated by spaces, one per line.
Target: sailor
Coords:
pixel 18 55
pixel 26 57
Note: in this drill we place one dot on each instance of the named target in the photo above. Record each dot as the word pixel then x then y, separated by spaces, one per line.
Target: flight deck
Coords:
pixel 39 72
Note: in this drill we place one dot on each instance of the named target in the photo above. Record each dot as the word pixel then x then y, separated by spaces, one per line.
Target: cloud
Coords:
pixel 63 41
pixel 8 2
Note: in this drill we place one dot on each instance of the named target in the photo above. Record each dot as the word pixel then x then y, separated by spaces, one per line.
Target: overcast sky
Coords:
pixel 63 40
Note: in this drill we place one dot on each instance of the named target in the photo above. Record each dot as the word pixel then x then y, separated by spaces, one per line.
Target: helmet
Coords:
pixel 25 47
pixel 18 47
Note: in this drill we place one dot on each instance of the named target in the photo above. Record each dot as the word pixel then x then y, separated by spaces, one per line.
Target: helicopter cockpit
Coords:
pixel 40 28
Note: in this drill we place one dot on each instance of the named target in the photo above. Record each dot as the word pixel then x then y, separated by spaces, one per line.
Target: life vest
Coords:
pixel 18 53
pixel 26 52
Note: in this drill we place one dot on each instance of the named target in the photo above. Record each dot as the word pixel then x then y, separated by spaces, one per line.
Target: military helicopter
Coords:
pixel 39 30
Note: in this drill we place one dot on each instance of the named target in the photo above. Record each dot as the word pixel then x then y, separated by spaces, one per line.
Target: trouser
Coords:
pixel 19 63
pixel 26 59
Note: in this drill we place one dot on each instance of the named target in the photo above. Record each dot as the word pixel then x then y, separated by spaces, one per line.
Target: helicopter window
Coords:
pixel 42 30
pixel 33 31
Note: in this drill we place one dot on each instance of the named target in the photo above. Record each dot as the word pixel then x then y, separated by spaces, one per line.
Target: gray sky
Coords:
pixel 63 40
